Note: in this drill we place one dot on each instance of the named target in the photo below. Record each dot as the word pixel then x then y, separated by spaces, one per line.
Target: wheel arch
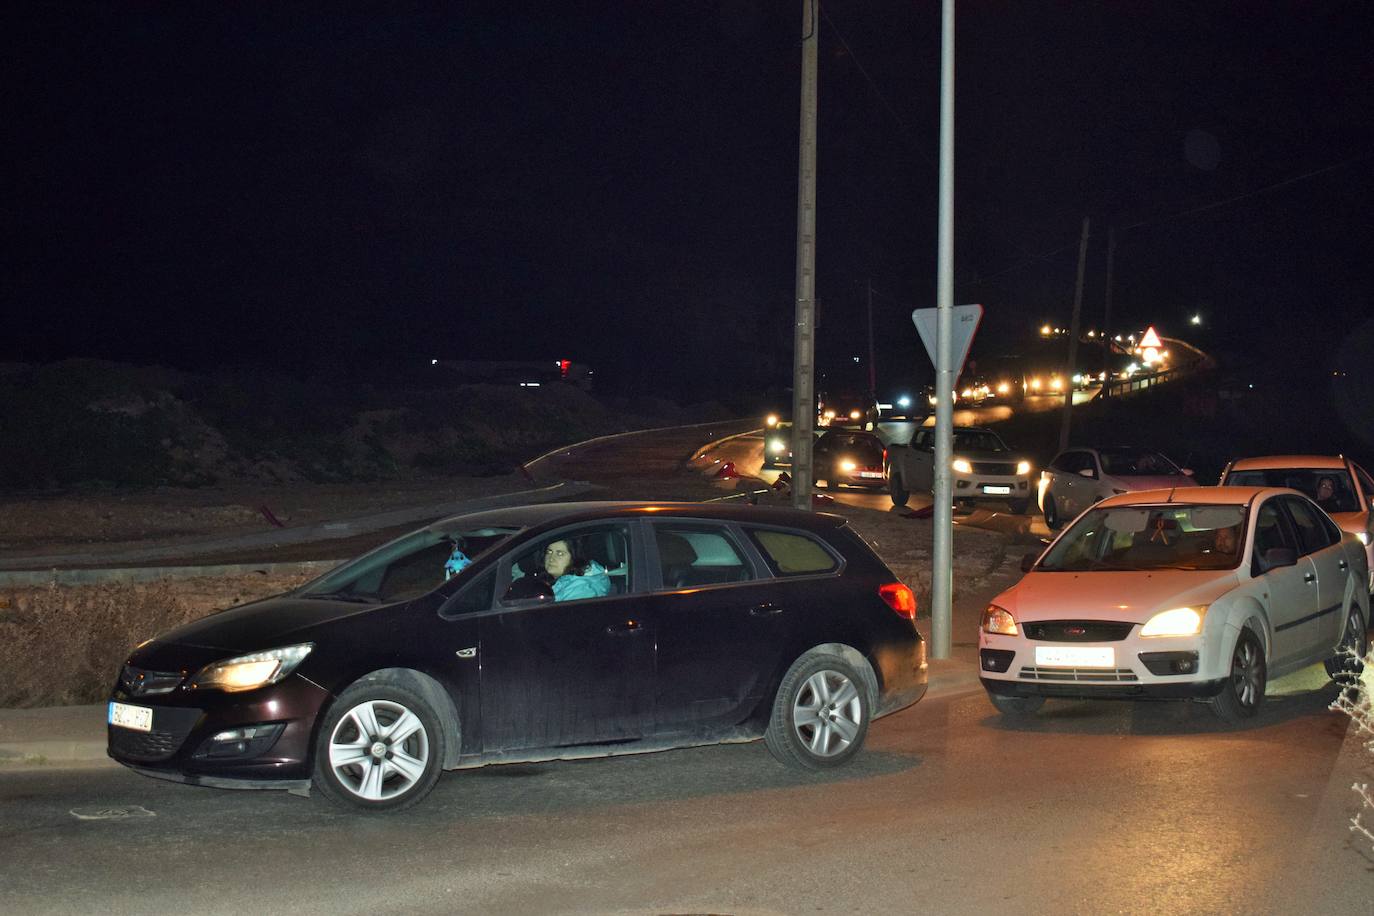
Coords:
pixel 859 660
pixel 1246 613
pixel 423 684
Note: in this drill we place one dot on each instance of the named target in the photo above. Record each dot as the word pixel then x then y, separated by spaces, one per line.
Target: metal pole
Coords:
pixel 942 575
pixel 1073 339
pixel 804 337
pixel 872 370
pixel 1107 314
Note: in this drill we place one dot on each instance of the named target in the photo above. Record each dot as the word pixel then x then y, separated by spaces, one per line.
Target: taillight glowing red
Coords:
pixel 900 598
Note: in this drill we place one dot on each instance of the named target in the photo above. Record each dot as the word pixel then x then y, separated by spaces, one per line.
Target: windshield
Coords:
pixel 1329 488
pixel 1135 462
pixel 978 441
pixel 1150 537
pixel 407 567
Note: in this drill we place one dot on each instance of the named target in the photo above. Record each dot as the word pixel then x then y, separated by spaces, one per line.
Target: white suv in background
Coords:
pixel 1079 477
pixel 1342 488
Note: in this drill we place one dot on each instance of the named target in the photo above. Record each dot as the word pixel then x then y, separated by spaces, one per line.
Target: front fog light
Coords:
pixel 999 620
pixel 1181 621
pixel 247 672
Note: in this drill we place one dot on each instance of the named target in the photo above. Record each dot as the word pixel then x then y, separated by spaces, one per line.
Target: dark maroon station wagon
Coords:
pixel 533 633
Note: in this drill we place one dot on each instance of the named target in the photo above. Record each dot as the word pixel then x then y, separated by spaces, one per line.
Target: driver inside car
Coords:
pixel 574 575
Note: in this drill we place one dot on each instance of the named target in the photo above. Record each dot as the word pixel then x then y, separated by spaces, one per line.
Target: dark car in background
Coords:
pixel 777 444
pixel 846 457
pixel 451 648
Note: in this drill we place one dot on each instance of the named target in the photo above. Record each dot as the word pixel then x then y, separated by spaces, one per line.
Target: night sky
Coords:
pixel 297 184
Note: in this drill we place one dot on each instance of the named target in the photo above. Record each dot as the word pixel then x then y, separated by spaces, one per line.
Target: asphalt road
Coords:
pixel 1087 808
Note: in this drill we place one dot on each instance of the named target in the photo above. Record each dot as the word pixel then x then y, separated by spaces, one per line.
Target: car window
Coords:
pixel 792 553
pixel 1330 488
pixel 1271 530
pixel 1150 537
pixel 1312 534
pixel 588 561
pixel 1135 462
pixel 473 597
pixel 1065 462
pixel 698 554
pixel 1073 462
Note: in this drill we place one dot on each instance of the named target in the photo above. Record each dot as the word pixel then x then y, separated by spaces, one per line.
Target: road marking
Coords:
pixel 114 812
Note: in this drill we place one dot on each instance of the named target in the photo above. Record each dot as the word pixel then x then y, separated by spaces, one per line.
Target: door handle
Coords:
pixel 1344 565
pixel 1309 577
pixel 767 609
pixel 628 628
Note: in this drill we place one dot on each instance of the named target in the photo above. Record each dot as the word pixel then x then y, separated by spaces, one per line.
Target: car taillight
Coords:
pixel 900 598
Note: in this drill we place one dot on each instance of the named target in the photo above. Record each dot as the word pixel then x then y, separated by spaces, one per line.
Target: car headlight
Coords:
pixel 1181 621
pixel 247 672
pixel 776 445
pixel 1023 468
pixel 961 466
pixel 1363 536
pixel 854 415
pixel 999 620
pixel 848 466
pixel 772 419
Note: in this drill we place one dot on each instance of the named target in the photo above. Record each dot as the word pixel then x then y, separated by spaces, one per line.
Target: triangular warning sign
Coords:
pixel 1151 339
pixel 964 321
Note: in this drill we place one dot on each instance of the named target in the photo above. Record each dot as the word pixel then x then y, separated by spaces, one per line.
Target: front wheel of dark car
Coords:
pixel 897 490
pixel 1243 692
pixel 820 714
pixel 1346 666
pixel 380 748
pixel 1016 707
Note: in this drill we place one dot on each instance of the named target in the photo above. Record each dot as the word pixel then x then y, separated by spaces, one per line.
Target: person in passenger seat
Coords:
pixel 574 575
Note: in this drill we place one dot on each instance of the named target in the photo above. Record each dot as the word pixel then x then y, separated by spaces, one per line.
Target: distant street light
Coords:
pixel 1196 319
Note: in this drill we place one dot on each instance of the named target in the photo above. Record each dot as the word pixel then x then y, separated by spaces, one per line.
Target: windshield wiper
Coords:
pixel 353 597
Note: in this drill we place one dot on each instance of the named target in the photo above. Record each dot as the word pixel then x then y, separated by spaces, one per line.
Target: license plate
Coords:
pixel 997 491
pixel 870 473
pixel 1075 656
pixel 139 718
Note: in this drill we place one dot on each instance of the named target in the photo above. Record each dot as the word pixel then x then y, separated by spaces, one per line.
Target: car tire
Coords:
pixel 1016 707
pixel 820 714
pixel 1345 669
pixel 1243 692
pixel 897 490
pixel 1052 521
pixel 358 764
pixel 830 482
pixel 1018 506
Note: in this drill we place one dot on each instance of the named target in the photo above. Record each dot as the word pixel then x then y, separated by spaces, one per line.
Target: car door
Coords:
pixel 718 624
pixel 566 673
pixel 922 460
pixel 1320 541
pixel 1071 488
pixel 1291 591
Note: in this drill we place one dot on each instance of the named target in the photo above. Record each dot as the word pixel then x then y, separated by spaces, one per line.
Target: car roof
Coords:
pixel 1288 461
pixel 550 514
pixel 1230 496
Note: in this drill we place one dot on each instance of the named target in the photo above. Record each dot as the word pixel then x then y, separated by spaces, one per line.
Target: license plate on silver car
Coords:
pixel 1075 656
pixel 138 718
pixel 997 491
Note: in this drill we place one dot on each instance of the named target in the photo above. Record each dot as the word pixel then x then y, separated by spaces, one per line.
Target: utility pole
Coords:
pixel 872 370
pixel 1073 339
pixel 804 336
pixel 1107 314
pixel 942 552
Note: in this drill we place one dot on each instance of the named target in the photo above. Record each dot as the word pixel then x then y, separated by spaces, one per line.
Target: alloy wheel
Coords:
pixel 379 750
pixel 1247 673
pixel 827 713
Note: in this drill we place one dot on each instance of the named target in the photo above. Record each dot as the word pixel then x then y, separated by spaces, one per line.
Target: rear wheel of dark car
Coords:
pixel 1052 521
pixel 820 714
pixel 1346 666
pixel 1016 706
pixel 897 490
pixel 380 748
pixel 1243 693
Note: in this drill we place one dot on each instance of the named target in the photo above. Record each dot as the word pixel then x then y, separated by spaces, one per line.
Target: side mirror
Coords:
pixel 1275 557
pixel 1187 472
pixel 1088 473
pixel 1029 560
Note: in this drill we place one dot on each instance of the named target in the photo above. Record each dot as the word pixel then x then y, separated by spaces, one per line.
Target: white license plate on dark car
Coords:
pixel 138 718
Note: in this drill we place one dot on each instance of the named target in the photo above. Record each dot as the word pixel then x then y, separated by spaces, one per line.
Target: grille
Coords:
pixel 1068 630
pixel 1000 468
pixel 144 745
pixel 142 683
pixel 1095 675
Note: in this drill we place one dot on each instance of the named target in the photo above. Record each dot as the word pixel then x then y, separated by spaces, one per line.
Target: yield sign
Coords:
pixel 1151 339
pixel 964 319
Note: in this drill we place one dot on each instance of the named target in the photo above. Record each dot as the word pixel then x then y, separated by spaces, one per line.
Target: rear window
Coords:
pixel 1330 488
pixel 791 553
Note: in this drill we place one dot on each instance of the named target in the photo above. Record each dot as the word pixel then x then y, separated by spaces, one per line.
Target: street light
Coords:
pixel 1196 319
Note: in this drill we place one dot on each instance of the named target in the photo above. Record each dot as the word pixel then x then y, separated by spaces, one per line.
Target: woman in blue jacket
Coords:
pixel 574 575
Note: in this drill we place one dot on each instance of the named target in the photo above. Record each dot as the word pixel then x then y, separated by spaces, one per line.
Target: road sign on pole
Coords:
pixel 964 320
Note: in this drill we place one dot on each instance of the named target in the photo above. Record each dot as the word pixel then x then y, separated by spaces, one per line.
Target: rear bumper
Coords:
pixel 903 676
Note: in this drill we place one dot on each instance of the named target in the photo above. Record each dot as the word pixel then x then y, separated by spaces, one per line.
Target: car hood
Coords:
pixel 1353 522
pixel 1157 482
pixel 1122 596
pixel 254 627
pixel 973 455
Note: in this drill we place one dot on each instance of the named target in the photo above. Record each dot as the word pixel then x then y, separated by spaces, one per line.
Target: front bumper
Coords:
pixel 992 486
pixel 184 722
